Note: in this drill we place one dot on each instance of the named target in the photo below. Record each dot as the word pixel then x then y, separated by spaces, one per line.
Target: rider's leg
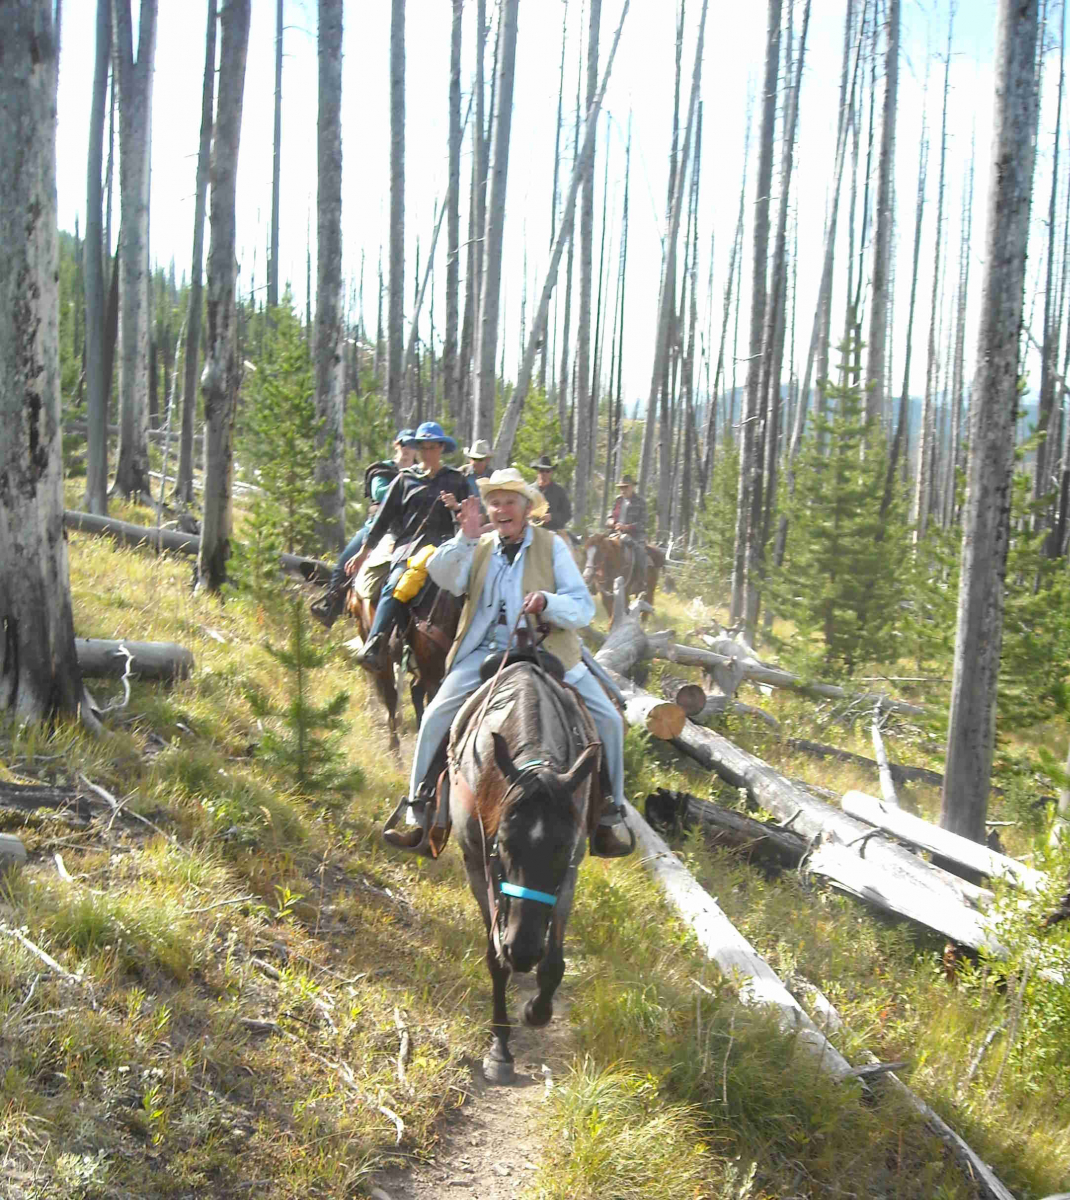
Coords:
pixel 458 685
pixel 611 838
pixel 356 544
pixel 387 614
pixel 328 607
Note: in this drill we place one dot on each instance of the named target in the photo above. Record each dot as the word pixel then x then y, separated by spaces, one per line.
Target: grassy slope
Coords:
pixel 144 1081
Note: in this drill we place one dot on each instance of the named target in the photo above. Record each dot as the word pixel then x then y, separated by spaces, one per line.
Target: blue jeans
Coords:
pixel 338 575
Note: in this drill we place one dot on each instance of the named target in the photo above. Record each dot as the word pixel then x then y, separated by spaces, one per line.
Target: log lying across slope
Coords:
pixel 182 543
pixel 729 949
pixel 101 658
pixel 848 852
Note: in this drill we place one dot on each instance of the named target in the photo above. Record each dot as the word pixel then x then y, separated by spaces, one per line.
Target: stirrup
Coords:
pixel 619 850
pixel 424 844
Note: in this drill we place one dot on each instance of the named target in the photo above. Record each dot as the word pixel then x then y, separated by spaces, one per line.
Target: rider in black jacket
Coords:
pixel 418 508
pixel 553 493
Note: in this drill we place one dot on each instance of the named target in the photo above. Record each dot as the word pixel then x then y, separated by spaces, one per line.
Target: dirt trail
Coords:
pixel 491 1146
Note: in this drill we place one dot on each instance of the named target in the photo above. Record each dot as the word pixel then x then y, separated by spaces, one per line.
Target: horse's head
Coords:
pixel 541 824
pixel 593 550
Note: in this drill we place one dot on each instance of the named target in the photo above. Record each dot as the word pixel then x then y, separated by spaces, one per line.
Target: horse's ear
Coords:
pixel 583 766
pixel 504 759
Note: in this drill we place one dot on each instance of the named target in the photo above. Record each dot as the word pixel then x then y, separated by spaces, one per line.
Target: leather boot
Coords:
pixel 612 841
pixel 375 654
pixel 409 836
pixel 329 607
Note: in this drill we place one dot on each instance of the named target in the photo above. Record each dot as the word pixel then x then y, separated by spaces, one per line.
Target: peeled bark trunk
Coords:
pixel 986 515
pixel 584 433
pixel 396 284
pixel 184 485
pixel 330 377
pixel 98 385
pixel 39 673
pixel 135 135
pixel 876 368
pixel 453 218
pixel 99 658
pixel 222 374
pixel 490 300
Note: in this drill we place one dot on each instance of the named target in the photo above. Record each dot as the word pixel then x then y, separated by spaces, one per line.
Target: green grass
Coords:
pixel 146 1080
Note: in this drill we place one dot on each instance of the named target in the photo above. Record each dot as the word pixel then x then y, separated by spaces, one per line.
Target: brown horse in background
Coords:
pixel 428 633
pixel 608 556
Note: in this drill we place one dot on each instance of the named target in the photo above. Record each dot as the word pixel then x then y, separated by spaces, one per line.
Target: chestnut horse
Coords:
pixel 523 788
pixel 428 633
pixel 608 556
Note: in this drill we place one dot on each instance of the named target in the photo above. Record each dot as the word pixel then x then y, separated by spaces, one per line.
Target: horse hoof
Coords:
pixel 496 1071
pixel 532 1017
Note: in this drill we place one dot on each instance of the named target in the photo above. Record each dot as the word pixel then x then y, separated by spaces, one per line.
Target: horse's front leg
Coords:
pixel 551 969
pixel 498 1061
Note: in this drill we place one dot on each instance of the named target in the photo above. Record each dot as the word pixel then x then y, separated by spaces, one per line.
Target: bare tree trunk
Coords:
pixel 135 126
pixel 330 380
pixel 222 373
pixel 563 380
pixel 184 482
pixel 98 385
pixel 503 448
pixel 546 350
pixel 1047 449
pixel 746 552
pixel 958 375
pixel 494 231
pixel 395 318
pixel 986 515
pixel 583 327
pixel 876 369
pixel 923 479
pixel 453 219
pixel 39 672
pixel 276 167
pixel 901 439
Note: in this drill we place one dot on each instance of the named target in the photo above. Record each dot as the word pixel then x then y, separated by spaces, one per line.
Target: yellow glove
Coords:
pixel 415 575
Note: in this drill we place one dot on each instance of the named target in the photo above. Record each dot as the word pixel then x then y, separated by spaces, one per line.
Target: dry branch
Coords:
pixel 724 827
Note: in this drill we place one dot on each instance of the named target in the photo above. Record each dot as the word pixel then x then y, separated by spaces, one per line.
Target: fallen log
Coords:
pixel 627 642
pixel 99 658
pixel 900 774
pixel 660 718
pixel 155 435
pixel 951 847
pixel 723 827
pixel 977 1171
pixel 950 900
pixel 690 697
pixel 715 706
pixel 312 569
pixel 12 851
pixel 32 797
pixel 727 653
pixel 758 983
pixel 884 770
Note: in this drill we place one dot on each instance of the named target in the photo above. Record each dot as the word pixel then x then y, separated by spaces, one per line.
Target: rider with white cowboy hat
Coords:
pixel 518 568
pixel 412 507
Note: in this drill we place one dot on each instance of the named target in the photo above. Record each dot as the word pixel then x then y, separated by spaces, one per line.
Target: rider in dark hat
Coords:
pixel 377 480
pixel 419 505
pixel 553 493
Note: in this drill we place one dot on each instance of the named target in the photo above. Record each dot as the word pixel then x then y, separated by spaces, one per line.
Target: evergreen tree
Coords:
pixel 838 584
pixel 709 572
pixel 539 432
pixel 279 429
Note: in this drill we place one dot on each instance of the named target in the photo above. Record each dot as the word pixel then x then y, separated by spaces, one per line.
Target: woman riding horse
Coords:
pixel 517 569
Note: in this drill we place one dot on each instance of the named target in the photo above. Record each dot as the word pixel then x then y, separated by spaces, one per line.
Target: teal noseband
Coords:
pixel 523 893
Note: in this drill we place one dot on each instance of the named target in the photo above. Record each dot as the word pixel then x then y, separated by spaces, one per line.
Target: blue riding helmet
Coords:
pixel 432 431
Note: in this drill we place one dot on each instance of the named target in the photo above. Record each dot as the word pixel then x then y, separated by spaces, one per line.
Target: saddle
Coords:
pixel 541 658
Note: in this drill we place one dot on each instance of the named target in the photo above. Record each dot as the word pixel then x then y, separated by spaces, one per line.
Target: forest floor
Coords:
pixel 241 958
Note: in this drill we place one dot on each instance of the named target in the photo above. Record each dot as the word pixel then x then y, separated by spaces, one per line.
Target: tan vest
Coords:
pixel 538 577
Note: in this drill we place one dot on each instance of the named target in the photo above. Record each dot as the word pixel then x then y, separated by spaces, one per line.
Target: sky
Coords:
pixel 640 92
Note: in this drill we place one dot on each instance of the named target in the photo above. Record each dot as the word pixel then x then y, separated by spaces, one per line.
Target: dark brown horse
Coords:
pixel 609 556
pixel 428 633
pixel 523 787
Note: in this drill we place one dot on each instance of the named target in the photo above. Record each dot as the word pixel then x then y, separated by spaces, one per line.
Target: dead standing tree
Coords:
pixel 39 672
pixel 986 515
pixel 135 126
pixel 396 281
pixel 746 552
pixel 453 220
pixel 184 482
pixel 330 372
pixel 98 385
pixel 221 370
pixel 276 168
pixel 489 305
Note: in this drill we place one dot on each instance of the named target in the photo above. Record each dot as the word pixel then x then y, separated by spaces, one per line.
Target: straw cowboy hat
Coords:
pixel 510 480
pixel 480 448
